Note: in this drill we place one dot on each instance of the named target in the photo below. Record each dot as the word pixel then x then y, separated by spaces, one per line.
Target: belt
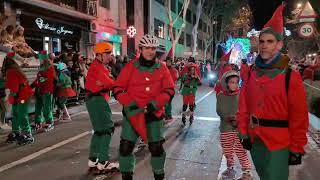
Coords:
pixel 269 122
pixel 90 94
pixel 189 86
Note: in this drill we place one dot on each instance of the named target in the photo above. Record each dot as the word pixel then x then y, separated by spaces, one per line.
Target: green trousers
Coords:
pixel 44 109
pixel 20 117
pixel 168 109
pixel 100 116
pixel 61 102
pixel 270 165
pixel 155 133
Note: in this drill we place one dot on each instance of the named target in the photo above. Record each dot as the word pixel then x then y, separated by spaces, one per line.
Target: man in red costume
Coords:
pixel 98 86
pixel 273 116
pixel 143 87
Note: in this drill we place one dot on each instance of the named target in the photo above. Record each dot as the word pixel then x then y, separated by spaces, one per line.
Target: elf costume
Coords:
pixel 44 93
pixel 225 67
pixel 190 82
pixel 64 91
pixel 19 98
pixel 143 88
pixel 98 86
pixel 174 75
pixel 273 116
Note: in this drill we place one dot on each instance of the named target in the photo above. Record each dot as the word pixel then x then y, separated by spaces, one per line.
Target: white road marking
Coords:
pixel 203 97
pixel 43 151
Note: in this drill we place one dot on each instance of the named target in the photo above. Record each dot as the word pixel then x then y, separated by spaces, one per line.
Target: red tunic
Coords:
pixel 143 87
pixel 244 72
pixel 266 98
pixel 45 80
pixel 98 73
pixel 18 86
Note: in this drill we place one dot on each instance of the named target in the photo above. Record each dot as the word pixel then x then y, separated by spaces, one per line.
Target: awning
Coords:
pixel 58 9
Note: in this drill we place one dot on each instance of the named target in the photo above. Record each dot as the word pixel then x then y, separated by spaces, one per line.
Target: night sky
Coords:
pixel 262 10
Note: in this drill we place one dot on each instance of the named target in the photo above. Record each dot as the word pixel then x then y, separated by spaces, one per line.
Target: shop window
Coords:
pixel 104 3
pixel 189 16
pixel 188 37
pixel 181 39
pixel 158 28
pixel 173 5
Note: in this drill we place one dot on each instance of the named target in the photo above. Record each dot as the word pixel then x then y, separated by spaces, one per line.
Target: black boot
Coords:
pixel 158 176
pixel 25 138
pixel 184 119
pixel 191 119
pixel 127 176
pixel 12 137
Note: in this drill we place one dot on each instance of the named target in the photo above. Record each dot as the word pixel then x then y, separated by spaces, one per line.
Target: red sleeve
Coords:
pixel 244 72
pixel 242 115
pixel 298 114
pixel 121 85
pixel 51 74
pixel 12 82
pixel 167 90
pixel 107 82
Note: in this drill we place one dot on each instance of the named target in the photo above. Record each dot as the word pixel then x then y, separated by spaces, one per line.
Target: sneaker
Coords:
pixel 36 126
pixel 184 120
pixel 108 166
pixel 191 119
pixel 24 139
pixel 12 137
pixel 229 173
pixel 246 175
pixel 49 126
pixel 93 164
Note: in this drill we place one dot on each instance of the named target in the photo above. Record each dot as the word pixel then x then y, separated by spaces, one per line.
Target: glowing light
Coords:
pixel 131 31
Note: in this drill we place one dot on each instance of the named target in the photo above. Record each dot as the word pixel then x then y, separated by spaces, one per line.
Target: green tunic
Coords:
pixel 190 85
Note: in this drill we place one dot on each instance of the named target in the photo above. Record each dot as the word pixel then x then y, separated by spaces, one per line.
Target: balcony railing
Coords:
pixel 85 6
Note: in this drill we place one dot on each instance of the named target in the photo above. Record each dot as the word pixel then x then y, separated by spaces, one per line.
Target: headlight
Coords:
pixel 212 76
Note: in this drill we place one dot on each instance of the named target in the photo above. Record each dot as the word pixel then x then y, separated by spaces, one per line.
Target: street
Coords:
pixel 193 152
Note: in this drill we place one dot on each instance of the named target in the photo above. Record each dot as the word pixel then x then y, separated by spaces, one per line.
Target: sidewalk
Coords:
pixel 5 129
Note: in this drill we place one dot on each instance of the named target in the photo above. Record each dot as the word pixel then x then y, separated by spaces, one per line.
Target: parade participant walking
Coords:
pixel 273 116
pixel 227 106
pixel 143 87
pixel 190 82
pixel 98 86
pixel 64 91
pixel 20 94
pixel 44 93
pixel 174 74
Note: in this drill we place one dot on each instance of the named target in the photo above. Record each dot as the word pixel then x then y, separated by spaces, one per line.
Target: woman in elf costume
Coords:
pixel 64 90
pixel 190 82
pixel 20 93
pixel 44 93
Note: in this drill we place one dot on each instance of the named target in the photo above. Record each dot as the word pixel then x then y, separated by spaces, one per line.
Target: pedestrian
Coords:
pixel 98 86
pixel 273 115
pixel 190 82
pixel 174 75
pixel 19 98
pixel 64 91
pixel 143 87
pixel 44 86
pixel 227 106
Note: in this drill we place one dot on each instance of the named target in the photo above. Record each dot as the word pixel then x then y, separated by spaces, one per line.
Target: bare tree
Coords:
pixel 195 27
pixel 175 37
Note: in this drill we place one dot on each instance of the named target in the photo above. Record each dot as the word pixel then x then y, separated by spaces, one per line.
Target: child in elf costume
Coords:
pixel 143 87
pixel 227 106
pixel 190 82
pixel 98 85
pixel 19 98
pixel 44 93
pixel 64 91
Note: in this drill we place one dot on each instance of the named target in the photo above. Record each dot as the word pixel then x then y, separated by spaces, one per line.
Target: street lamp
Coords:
pixel 299 5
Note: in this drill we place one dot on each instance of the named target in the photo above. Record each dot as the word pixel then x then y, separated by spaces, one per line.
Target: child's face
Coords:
pixel 233 83
pixel 70 64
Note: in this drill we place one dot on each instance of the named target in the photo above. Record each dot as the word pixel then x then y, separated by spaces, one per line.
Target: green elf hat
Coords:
pixel 12 55
pixel 43 55
pixel 275 24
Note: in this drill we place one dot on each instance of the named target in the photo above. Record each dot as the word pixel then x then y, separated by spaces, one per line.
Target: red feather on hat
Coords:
pixel 226 57
pixel 276 21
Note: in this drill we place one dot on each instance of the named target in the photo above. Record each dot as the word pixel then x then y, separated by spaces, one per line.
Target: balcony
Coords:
pixel 84 9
